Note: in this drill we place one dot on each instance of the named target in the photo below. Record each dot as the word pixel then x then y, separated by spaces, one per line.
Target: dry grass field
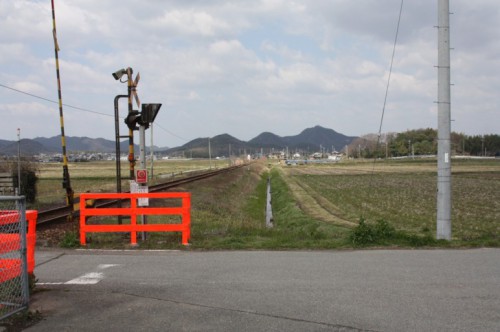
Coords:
pixel 402 193
pixel 100 176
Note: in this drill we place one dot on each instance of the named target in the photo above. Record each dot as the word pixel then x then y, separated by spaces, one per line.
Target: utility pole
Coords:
pixel 482 146
pixel 386 147
pixel 18 162
pixel 209 153
pixel 444 123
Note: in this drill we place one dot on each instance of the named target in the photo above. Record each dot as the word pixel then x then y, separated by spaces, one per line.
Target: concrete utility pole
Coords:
pixel 18 162
pixel 209 153
pixel 444 123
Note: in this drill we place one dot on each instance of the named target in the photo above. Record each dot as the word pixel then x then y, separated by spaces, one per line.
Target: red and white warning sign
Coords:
pixel 141 176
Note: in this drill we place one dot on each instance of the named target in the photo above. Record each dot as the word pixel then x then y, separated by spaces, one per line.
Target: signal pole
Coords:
pixel 444 124
pixel 131 157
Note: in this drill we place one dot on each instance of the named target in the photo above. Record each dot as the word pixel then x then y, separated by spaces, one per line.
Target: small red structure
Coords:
pixel 11 267
pixel 133 210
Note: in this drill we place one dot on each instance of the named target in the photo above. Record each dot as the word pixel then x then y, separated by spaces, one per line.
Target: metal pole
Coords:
pixel 66 179
pixel 152 153
pixel 117 145
pixel 18 162
pixel 444 124
pixel 131 157
pixel 142 163
pixel 142 147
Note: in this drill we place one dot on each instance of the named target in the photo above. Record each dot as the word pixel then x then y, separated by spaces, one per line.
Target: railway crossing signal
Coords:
pixel 148 114
pixel 132 119
pixel 133 91
pixel 144 118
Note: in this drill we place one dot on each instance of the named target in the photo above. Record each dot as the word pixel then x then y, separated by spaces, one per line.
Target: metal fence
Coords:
pixel 14 284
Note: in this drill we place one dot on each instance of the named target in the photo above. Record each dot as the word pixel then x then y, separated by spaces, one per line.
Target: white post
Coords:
pixel 152 153
pixel 444 124
pixel 142 164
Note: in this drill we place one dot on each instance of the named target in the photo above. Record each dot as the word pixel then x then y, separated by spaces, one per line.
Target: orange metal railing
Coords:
pixel 133 210
pixel 11 267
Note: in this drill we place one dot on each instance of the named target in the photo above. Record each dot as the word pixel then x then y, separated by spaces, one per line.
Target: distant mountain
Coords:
pixel 28 147
pixel 268 140
pixel 77 144
pixel 317 137
pixel 221 145
pixel 54 145
pixel 309 140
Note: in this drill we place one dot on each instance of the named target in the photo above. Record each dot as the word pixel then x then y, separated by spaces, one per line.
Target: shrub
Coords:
pixel 70 240
pixel 383 233
pixel 28 178
pixel 362 234
pixel 366 234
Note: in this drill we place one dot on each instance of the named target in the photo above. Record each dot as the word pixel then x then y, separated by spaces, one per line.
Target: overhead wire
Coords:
pixel 80 108
pixel 379 134
pixel 390 69
pixel 53 101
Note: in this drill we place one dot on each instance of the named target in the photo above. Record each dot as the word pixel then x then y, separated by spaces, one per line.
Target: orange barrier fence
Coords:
pixel 133 210
pixel 11 267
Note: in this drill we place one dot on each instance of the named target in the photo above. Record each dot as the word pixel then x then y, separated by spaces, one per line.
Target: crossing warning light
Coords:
pixel 148 114
pixel 132 119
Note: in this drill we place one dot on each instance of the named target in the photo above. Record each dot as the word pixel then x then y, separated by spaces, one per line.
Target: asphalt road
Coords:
pixel 370 290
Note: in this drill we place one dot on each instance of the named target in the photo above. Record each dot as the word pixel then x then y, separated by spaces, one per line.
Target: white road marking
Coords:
pixel 49 283
pixel 90 278
pixel 105 266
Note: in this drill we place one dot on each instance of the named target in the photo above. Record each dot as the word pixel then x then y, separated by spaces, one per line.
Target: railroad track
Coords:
pixel 60 214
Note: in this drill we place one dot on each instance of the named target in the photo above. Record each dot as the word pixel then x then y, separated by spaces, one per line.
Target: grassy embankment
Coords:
pixel 319 207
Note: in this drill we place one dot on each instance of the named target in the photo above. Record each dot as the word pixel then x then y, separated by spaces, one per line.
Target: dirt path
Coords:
pixel 314 205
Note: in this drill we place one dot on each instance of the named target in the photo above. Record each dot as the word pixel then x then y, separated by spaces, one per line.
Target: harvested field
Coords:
pixel 402 193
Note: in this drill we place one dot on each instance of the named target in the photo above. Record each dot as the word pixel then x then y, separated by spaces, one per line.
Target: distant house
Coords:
pixel 276 155
pixel 317 155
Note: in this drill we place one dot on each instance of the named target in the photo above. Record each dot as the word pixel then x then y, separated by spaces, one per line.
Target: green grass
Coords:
pixel 229 213
pixel 407 200
pixel 396 205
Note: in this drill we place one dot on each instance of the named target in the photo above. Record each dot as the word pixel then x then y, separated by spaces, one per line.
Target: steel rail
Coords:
pixel 62 213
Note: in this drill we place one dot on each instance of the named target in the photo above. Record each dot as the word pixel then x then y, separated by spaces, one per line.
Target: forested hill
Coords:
pixel 423 142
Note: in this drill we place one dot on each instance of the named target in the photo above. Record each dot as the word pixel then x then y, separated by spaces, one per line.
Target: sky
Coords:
pixel 245 67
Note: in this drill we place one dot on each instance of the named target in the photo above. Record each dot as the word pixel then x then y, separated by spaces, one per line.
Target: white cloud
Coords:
pixel 243 66
pixel 191 22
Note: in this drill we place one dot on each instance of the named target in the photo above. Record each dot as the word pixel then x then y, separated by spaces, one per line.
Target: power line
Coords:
pixel 390 68
pixel 171 133
pixel 80 108
pixel 370 185
pixel 53 101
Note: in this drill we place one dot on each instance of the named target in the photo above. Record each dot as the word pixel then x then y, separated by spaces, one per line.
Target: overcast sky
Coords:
pixel 244 67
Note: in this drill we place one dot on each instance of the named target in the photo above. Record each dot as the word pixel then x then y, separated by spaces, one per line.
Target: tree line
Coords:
pixel 422 142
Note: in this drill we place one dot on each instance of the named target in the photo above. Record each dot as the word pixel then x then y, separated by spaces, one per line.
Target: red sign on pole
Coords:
pixel 141 176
